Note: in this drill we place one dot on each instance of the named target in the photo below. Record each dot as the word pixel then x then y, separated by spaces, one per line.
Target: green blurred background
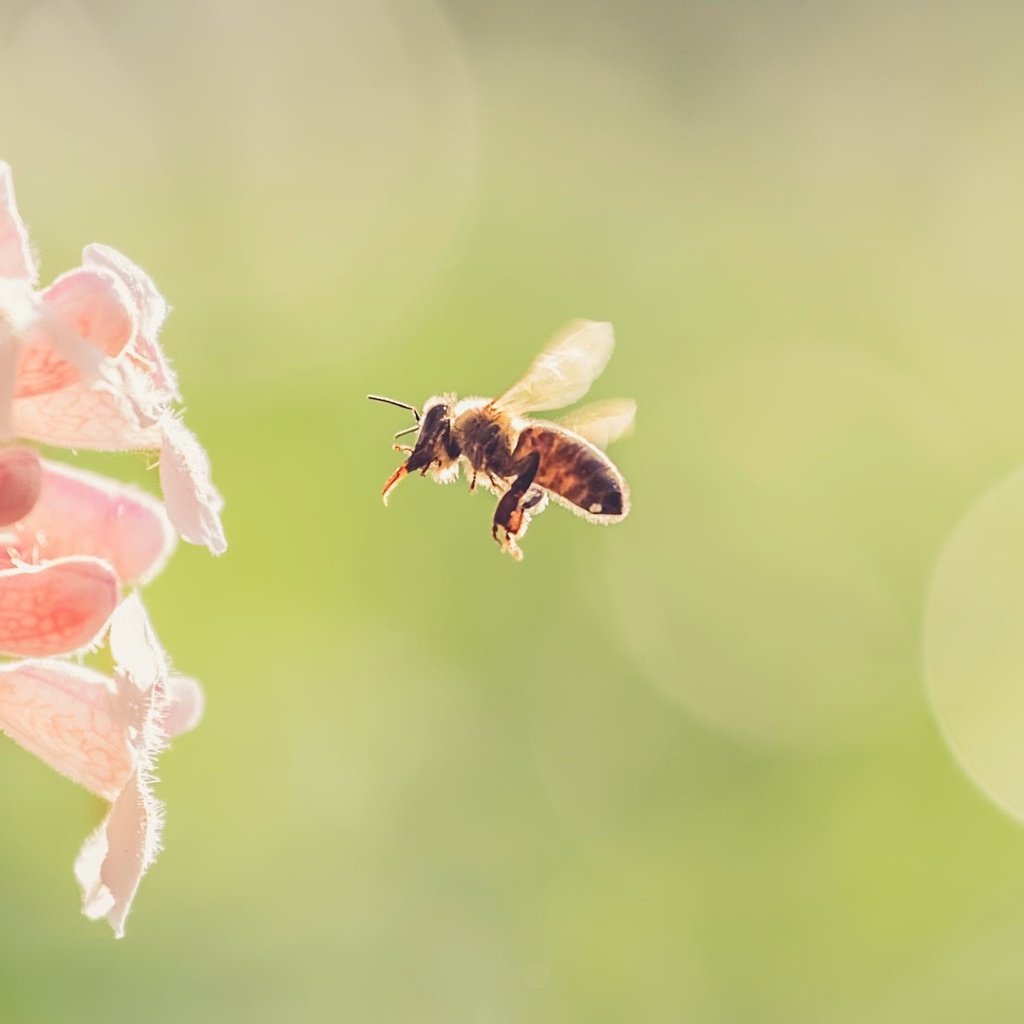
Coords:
pixel 685 769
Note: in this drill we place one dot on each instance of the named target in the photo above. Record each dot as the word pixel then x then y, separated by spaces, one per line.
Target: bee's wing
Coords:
pixel 563 372
pixel 602 422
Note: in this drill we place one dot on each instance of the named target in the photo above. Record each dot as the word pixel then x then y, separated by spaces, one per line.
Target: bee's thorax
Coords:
pixel 485 435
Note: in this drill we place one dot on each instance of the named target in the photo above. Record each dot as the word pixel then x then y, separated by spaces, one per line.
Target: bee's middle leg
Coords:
pixel 509 515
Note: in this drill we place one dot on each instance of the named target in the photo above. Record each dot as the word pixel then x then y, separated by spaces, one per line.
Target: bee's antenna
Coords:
pixel 394 401
pixel 408 430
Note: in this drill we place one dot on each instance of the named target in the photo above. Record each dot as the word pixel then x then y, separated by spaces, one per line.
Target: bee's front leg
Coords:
pixel 510 515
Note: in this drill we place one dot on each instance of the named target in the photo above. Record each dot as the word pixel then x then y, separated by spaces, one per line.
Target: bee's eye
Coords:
pixel 433 419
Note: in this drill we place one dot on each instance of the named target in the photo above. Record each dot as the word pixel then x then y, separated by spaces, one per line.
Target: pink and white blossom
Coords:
pixel 81 367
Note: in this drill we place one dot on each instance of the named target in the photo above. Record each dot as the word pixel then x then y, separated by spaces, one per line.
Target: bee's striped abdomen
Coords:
pixel 575 471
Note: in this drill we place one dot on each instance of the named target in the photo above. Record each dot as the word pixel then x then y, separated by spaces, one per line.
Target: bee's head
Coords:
pixel 434 435
pixel 434 446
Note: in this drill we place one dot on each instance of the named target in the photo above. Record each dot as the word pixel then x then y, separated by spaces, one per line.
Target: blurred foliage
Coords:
pixel 682 769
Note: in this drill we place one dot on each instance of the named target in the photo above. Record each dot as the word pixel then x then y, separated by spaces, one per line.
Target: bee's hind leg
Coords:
pixel 511 515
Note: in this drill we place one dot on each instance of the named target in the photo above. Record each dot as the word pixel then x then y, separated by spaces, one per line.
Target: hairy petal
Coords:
pixel 114 858
pixel 16 259
pixel 81 513
pixel 66 715
pixel 187 705
pixel 140 660
pixel 150 310
pixel 20 483
pixel 193 503
pixel 55 608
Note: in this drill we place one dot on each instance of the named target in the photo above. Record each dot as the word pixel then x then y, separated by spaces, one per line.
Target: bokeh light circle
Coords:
pixel 778 601
pixel 974 643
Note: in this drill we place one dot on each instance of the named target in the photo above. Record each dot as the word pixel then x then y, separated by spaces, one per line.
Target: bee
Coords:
pixel 526 462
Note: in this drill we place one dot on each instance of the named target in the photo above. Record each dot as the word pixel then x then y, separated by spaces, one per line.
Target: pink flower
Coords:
pixel 105 734
pixel 81 367
pixel 63 564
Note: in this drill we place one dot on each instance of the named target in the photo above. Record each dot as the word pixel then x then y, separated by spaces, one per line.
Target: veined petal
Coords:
pixel 40 369
pixel 16 259
pixel 66 715
pixel 193 503
pixel 81 513
pixel 20 484
pixel 8 361
pixel 79 416
pixel 55 608
pixel 81 306
pixel 114 858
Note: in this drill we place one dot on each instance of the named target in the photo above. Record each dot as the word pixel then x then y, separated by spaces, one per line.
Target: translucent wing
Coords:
pixel 602 422
pixel 563 372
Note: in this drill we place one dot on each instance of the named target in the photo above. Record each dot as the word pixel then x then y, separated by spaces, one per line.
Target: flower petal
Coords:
pixel 150 311
pixel 114 858
pixel 137 653
pixel 95 305
pixel 20 483
pixel 89 305
pixel 16 259
pixel 55 608
pixel 67 716
pixel 80 416
pixel 81 513
pixel 186 707
pixel 8 361
pixel 193 503
pixel 40 369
